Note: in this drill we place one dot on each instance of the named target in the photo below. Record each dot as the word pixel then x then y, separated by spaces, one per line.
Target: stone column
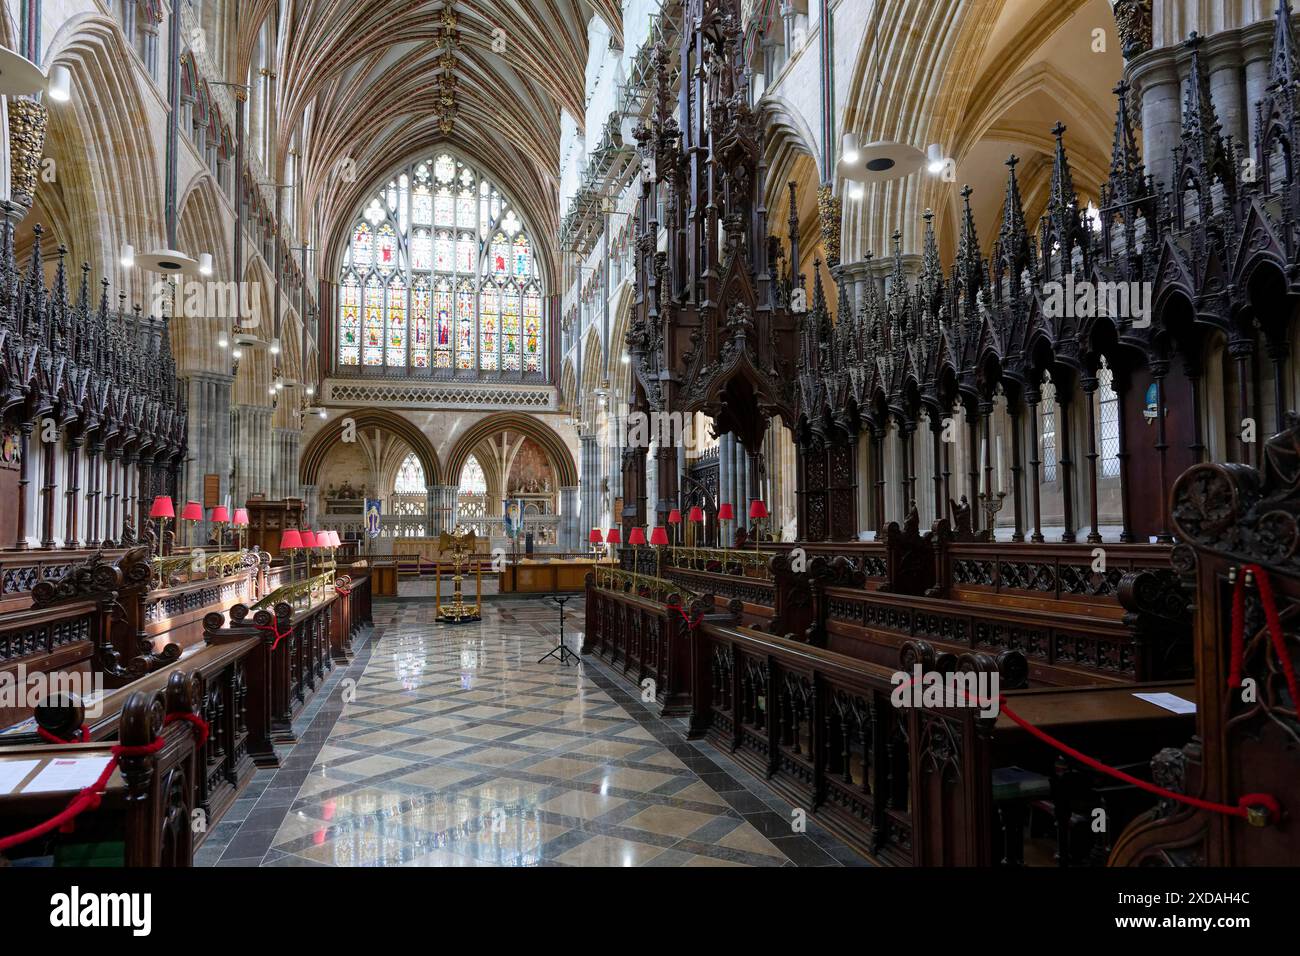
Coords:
pixel 570 539
pixel 1159 91
pixel 209 453
pixel 725 494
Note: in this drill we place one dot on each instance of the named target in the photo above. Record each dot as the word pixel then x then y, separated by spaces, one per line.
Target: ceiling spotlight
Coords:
pixel 222 342
pixel 881 161
pixel 311 389
pixel 205 263
pixel 237 354
pixel 275 346
pixel 323 413
pixel 857 191
pixel 60 87
pixel 128 256
pixel 271 390
pixel 626 358
pixel 849 148
pixel 935 160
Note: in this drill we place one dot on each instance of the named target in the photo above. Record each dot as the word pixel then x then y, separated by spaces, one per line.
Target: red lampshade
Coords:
pixel 309 538
pixel 725 512
pixel 221 514
pixel 614 536
pixel 636 536
pixel 241 517
pixel 757 509
pixel 659 536
pixel 697 514
pixel 193 511
pixel 595 537
pixel 162 508
pixel 290 539
pixel 674 517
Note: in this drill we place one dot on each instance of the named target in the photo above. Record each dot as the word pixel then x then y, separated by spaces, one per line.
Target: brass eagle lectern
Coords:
pixel 461 543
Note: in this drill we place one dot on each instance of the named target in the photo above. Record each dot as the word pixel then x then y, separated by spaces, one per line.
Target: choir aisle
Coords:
pixel 451 746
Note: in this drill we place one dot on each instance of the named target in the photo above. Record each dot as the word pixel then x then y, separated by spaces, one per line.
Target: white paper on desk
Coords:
pixel 69 773
pixel 12 773
pixel 1169 702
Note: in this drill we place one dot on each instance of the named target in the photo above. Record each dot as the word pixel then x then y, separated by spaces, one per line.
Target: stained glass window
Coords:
pixel 396 340
pixel 440 272
pixel 410 477
pixel 373 310
pixel 420 323
pixel 499 259
pixel 532 329
pixel 442 333
pixel 1108 421
pixel 422 206
pixel 350 320
pixel 523 257
pixel 510 351
pixel 421 250
pixel 444 212
pixel 465 324
pixel 489 316
pixel 386 248
pixel 472 479
pixel 1047 425
pixel 466 209
pixel 442 252
pixel 362 241
pixel 466 252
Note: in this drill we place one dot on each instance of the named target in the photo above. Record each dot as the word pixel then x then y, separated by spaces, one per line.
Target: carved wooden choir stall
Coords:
pixel 90 414
pixel 785 654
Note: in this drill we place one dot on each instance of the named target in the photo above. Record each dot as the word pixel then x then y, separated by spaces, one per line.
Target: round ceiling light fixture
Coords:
pixel 879 162
pixel 19 76
pixel 168 262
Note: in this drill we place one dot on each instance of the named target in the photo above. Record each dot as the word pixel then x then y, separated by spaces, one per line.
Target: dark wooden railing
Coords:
pixel 643 633
pixel 145 817
pixel 1077 615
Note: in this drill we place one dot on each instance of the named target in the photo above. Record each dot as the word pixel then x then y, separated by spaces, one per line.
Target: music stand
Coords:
pixel 560 649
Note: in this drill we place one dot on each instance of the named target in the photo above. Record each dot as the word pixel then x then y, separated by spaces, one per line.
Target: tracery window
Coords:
pixel 1047 425
pixel 410 477
pixel 440 272
pixel 1108 421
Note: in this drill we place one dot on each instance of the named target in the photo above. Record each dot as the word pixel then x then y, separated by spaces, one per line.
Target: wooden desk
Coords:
pixel 545 577
pixel 383 580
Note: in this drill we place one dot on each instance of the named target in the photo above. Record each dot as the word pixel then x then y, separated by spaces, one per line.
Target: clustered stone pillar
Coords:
pixel 207 396
pixel 253 451
pixel 283 478
pixel 442 508
pixel 589 489
pixel 570 533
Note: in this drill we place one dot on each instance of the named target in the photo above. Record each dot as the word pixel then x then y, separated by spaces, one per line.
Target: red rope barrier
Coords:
pixel 274 629
pixel 1274 621
pixel 49 738
pixel 691 624
pixel 1246 806
pixel 1258 809
pixel 92 796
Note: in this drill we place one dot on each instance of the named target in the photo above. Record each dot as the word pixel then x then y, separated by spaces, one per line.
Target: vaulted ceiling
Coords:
pixel 367 85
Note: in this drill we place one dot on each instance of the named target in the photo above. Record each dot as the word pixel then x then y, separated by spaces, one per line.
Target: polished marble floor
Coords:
pixel 452 746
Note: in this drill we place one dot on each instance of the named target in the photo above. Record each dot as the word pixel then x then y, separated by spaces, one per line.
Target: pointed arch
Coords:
pixel 566 471
pixel 317 450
